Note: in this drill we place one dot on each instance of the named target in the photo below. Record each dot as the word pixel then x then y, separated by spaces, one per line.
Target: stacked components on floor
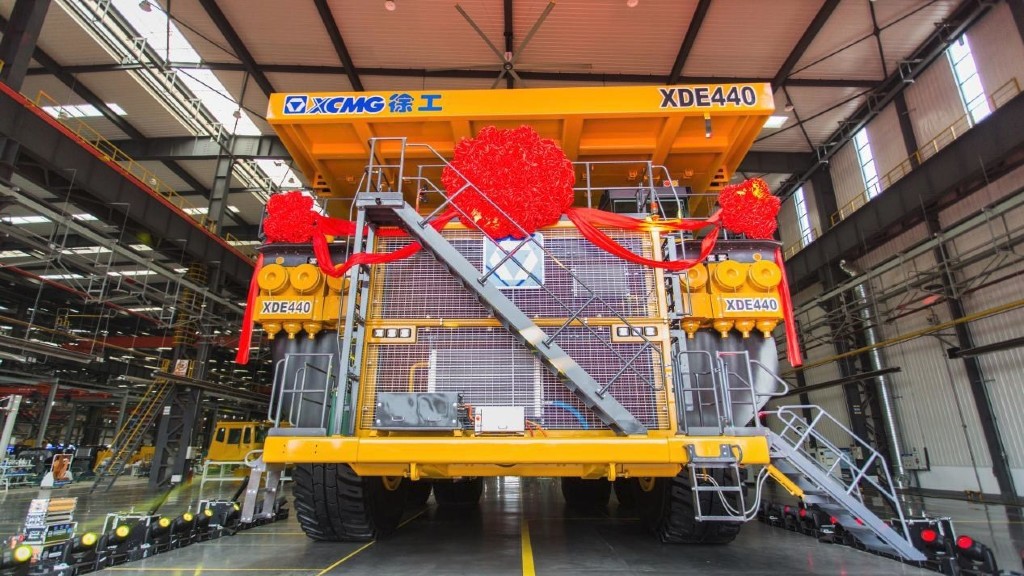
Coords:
pixel 947 551
pixel 127 537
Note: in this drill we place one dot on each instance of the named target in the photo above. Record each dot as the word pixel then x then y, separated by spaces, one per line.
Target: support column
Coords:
pixel 16 48
pixel 93 433
pixel 70 430
pixel 10 418
pixel 122 413
pixel 45 418
pixel 218 207
pixel 975 375
pixel 824 196
pixel 906 128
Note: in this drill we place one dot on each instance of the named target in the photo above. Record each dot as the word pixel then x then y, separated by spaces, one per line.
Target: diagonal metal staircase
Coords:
pixel 380 203
pixel 129 438
pixel 827 488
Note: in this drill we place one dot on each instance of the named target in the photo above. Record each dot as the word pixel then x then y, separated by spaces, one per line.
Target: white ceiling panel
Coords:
pixel 193 22
pixel 201 170
pixel 143 110
pixel 418 34
pixel 904 30
pixel 298 34
pixel 849 23
pixel 284 82
pixel 748 39
pixel 383 83
pixel 606 36
pixel 68 43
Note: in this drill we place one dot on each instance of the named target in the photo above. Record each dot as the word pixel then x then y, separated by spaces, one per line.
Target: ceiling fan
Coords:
pixel 509 59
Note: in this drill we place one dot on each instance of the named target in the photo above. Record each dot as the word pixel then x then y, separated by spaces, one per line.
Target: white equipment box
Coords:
pixel 499 419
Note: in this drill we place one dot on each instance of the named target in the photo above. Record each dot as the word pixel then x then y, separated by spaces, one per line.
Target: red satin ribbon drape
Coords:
pixel 245 338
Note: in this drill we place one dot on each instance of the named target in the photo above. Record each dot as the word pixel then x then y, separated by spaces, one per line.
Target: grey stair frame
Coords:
pixel 119 459
pixel 836 497
pixel 572 375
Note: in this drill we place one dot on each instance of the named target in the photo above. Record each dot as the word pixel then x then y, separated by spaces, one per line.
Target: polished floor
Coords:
pixel 521 527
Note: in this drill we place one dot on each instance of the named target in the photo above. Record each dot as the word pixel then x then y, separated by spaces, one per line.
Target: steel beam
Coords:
pixel 339 43
pixel 420 73
pixel 19 40
pixel 776 162
pixel 696 21
pixel 962 18
pixel 44 420
pixel 959 166
pixel 1017 11
pixel 244 56
pixel 45 140
pixel 805 41
pixel 196 148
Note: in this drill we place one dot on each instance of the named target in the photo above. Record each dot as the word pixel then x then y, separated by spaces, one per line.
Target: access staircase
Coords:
pixel 381 203
pixel 129 438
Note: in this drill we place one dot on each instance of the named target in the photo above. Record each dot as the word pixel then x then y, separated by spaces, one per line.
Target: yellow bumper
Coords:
pixel 475 456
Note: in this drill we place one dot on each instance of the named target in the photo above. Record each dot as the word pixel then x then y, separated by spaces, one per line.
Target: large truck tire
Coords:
pixel 583 494
pixel 666 507
pixel 625 493
pixel 460 493
pixel 419 493
pixel 335 504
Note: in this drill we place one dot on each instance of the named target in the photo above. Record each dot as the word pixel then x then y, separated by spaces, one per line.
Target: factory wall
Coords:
pixel 934 407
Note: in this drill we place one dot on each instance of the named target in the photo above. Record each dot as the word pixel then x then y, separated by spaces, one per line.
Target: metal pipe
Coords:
pixel 862 292
pixel 13 403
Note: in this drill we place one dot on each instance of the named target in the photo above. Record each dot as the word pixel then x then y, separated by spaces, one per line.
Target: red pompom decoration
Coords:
pixel 290 218
pixel 528 177
pixel 749 208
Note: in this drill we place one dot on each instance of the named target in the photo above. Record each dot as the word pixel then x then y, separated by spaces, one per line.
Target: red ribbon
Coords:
pixel 587 221
pixel 245 338
pixel 792 343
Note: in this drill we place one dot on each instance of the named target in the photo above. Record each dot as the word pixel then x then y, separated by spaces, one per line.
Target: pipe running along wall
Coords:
pixel 865 303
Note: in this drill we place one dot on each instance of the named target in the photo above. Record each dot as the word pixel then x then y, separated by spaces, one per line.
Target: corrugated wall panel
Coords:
pixel 886 139
pixel 934 101
pixel 846 176
pixel 997 48
pixel 1002 188
pixel 789 228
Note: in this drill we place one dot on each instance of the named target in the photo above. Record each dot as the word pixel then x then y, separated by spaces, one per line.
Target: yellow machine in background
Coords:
pixel 232 440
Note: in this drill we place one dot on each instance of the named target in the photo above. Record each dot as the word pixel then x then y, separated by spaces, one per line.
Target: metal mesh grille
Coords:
pixel 488 367
pixel 420 286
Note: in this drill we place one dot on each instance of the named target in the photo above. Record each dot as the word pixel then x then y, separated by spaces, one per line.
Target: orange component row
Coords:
pixel 729 294
pixel 297 298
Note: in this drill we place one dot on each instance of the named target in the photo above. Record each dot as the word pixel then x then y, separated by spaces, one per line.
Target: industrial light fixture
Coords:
pixel 632 3
pixel 789 106
pixel 775 121
pixel 390 5
pixel 145 6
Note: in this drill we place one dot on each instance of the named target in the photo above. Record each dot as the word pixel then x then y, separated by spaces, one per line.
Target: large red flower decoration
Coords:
pixel 290 218
pixel 750 208
pixel 522 176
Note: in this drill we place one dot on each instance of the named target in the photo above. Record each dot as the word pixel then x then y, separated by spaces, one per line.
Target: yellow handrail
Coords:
pixel 114 155
pixel 999 97
pixel 944 138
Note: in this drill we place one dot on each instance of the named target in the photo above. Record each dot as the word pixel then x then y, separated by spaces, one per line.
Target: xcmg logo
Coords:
pixel 303 104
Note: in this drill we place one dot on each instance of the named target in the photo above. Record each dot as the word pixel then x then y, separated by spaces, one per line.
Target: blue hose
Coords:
pixel 573 411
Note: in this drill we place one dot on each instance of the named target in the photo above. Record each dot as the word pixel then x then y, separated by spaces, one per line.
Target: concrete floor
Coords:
pixel 521 525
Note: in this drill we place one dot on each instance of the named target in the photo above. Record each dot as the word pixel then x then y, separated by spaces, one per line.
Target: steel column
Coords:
pixel 824 192
pixel 10 418
pixel 45 418
pixel 975 374
pixel 71 425
pixel 906 128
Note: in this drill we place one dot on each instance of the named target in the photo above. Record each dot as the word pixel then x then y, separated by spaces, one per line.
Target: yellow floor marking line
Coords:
pixel 413 517
pixel 346 558
pixel 527 550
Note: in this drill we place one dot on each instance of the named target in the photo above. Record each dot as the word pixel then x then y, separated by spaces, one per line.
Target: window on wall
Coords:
pixel 966 73
pixel 803 219
pixel 867 163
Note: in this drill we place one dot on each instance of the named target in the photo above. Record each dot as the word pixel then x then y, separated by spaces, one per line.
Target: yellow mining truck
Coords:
pixel 545 357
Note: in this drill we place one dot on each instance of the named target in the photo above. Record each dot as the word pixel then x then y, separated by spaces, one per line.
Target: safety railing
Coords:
pixel 718 390
pixel 801 429
pixel 303 371
pixel 114 155
pixel 947 136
